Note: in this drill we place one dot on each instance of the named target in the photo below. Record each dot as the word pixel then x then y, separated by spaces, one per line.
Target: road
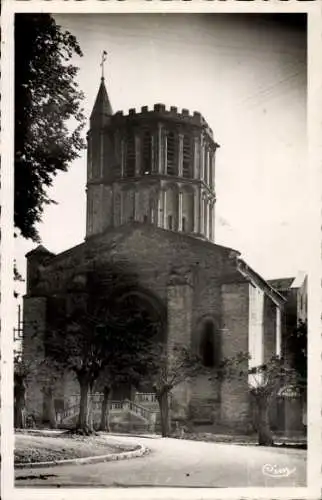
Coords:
pixel 180 463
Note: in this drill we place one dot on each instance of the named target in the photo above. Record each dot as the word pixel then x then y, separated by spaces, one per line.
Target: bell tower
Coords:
pixel 151 166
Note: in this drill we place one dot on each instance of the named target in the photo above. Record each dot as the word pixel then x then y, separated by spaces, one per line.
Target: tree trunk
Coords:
pixel 49 413
pixel 163 401
pixel 105 410
pixel 85 424
pixel 265 437
pixel 20 420
pixel 20 404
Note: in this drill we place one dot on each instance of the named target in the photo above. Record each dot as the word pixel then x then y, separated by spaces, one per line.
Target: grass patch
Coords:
pixel 31 448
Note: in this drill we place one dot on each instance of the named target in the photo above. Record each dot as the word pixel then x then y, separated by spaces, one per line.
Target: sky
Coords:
pixel 246 73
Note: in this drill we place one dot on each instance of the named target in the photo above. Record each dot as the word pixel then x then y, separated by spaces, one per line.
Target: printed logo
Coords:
pixel 277 471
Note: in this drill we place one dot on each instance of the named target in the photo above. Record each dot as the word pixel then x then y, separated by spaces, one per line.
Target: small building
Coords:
pixel 290 413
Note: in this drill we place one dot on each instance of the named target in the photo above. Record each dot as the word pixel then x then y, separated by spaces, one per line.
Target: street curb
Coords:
pixel 138 451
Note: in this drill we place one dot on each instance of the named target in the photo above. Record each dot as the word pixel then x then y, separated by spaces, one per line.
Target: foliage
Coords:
pixel 16 274
pixel 97 338
pixel 169 367
pixel 17 277
pixel 265 381
pixel 298 349
pixel 25 368
pixel 48 114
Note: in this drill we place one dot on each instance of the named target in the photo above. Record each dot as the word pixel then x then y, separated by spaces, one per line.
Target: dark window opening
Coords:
pixel 170 222
pixel 184 228
pixel 206 165
pixel 145 218
pixel 187 157
pixel 130 157
pixel 207 347
pixel 152 214
pixel 211 171
pixel 147 153
pixel 171 154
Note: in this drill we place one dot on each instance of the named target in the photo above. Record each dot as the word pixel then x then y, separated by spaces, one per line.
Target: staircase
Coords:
pixel 140 415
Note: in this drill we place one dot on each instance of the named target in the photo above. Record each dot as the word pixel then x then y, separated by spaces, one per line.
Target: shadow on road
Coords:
pixel 36 476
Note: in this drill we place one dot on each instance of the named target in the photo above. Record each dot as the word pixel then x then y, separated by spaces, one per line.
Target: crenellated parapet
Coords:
pixel 161 113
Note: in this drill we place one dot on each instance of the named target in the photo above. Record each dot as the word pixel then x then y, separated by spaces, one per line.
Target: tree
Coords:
pixel 297 346
pixel 265 380
pixel 105 384
pixel 126 362
pixel 17 277
pixel 46 375
pixel 168 369
pixel 21 371
pixel 94 340
pixel 48 114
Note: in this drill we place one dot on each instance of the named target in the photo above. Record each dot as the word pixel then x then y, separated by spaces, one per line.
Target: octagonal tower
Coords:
pixel 153 166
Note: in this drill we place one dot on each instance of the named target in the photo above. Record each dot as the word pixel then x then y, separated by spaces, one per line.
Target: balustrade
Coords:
pixel 146 397
pixel 135 407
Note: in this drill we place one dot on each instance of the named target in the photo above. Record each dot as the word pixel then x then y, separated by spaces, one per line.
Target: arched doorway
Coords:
pixel 142 314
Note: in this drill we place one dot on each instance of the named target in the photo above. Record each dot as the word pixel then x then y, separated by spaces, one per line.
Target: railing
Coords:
pixel 134 407
pixel 116 405
pixel 146 397
pixel 71 411
pixel 137 409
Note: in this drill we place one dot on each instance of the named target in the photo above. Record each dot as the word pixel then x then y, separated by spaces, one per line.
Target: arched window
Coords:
pixel 90 212
pixel 207 345
pixel 130 156
pixel 129 205
pixel 206 165
pixel 211 222
pixel 187 210
pixel 146 153
pixel 117 209
pixel 171 154
pixel 205 217
pixel 118 146
pixel 187 157
pixel 211 170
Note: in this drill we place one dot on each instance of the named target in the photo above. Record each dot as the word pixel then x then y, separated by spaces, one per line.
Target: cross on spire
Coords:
pixel 104 57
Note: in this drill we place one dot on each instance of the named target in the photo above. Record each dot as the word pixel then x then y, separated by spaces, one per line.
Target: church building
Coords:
pixel 151 199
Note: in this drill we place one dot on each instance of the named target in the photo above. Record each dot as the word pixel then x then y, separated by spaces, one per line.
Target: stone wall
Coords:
pixel 179 308
pixel 186 277
pixel 35 309
pixel 235 411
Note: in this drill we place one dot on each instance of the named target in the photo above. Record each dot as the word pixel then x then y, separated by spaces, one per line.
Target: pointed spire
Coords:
pixel 102 109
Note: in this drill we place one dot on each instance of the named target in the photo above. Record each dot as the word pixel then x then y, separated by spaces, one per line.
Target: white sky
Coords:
pixel 248 78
